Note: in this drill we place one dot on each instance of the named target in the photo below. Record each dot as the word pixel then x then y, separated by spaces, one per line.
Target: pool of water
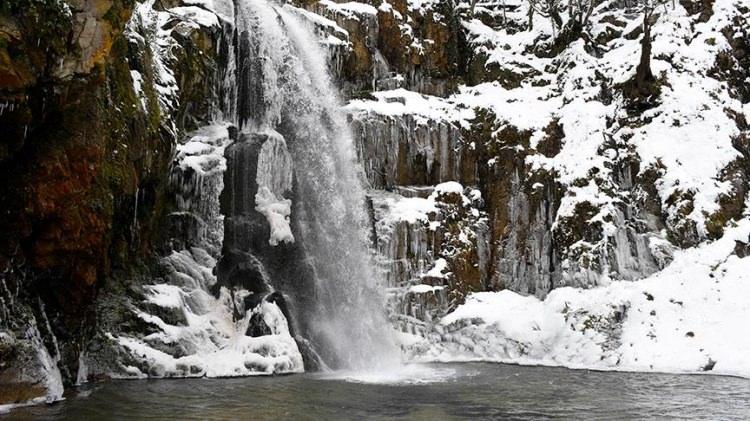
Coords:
pixel 425 392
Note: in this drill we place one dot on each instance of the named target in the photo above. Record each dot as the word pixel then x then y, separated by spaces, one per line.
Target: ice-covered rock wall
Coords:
pixel 407 139
pixel 417 232
pixel 192 325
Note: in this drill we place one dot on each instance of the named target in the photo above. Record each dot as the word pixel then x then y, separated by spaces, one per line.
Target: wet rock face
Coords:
pixel 396 44
pixel 56 40
pixel 356 64
pixel 21 371
pixel 85 156
pixel 55 201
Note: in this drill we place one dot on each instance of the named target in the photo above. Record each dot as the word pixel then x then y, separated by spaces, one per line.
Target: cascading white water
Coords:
pixel 289 90
pixel 289 174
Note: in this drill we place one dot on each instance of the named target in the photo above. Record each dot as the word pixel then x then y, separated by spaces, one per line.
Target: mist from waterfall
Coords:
pixel 285 88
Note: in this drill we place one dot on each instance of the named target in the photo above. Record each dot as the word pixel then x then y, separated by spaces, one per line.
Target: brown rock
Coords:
pixel 14 70
pixel 19 392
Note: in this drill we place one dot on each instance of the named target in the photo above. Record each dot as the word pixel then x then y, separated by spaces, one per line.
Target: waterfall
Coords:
pixel 285 92
pixel 270 267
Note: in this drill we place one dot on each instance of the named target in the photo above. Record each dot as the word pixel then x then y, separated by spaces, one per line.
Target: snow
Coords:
pixel 216 344
pixel 459 108
pixel 421 6
pixel 584 123
pixel 513 314
pixel 407 209
pixel 689 133
pixel 687 136
pixel 690 116
pixel 393 208
pixel 438 270
pixel 590 193
pixel 138 88
pixel 350 9
pixel 150 28
pixel 245 356
pixel 512 106
pixel 274 179
pixel 197 15
pixel 277 213
pixel 398 102
pixel 449 187
pixel 223 9
pixel 424 288
pixel 203 151
pixel 688 318
pixel 508 49
pixel 335 33
pixel 165 295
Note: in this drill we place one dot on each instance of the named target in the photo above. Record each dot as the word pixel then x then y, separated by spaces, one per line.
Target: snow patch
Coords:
pixel 438 270
pixel 351 9
pixel 277 213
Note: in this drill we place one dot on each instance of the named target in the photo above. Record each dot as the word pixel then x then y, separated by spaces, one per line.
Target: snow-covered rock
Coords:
pixel 687 318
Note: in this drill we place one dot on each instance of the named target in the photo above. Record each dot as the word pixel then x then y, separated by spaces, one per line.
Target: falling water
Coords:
pixel 285 87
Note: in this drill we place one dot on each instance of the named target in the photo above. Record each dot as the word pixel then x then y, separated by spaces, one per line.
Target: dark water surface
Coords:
pixel 466 391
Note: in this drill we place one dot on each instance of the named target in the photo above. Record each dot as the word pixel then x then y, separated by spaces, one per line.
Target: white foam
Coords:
pixel 412 373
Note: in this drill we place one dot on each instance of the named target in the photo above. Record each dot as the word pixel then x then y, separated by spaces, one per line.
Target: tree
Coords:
pixel 643 75
pixel 642 88
pixel 548 9
pixel 579 12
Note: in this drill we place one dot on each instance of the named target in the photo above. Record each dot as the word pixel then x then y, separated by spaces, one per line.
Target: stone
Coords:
pixel 742 249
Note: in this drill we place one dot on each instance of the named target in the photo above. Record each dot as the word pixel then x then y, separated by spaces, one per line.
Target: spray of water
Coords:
pixel 286 87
